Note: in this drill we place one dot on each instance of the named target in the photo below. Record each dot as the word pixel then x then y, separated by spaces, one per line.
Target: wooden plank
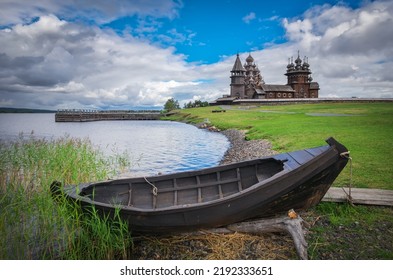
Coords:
pixel 219 185
pixel 199 189
pixel 289 163
pixel 318 150
pixel 175 198
pixel 360 196
pixel 209 184
pixel 239 183
pixel 129 195
pixel 301 156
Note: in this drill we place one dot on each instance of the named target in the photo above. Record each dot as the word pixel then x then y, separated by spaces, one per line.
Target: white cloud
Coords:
pixel 349 50
pixel 55 63
pixel 249 17
pixel 66 62
pixel 100 11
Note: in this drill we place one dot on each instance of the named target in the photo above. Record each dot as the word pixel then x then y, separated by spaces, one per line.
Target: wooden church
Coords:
pixel 247 82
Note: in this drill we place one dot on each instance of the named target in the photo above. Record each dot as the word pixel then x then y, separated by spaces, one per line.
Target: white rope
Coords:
pixel 349 196
pixel 154 190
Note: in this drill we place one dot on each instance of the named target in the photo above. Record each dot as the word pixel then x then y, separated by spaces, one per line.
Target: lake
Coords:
pixel 152 146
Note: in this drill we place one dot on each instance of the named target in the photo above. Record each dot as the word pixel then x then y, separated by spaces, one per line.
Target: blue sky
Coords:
pixel 139 53
pixel 205 31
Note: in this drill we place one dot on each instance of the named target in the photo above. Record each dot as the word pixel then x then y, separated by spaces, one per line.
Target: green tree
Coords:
pixel 171 104
pixel 196 103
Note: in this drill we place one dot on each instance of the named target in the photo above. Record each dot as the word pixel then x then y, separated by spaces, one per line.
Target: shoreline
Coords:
pixel 241 149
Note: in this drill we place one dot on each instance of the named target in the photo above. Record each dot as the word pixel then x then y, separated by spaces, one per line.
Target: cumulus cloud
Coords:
pixel 52 62
pixel 65 61
pixel 100 11
pixel 350 50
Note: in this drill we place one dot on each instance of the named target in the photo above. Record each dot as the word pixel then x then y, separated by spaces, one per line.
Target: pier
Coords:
pixel 105 115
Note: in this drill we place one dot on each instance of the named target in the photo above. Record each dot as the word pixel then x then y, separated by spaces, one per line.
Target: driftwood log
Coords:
pixel 292 224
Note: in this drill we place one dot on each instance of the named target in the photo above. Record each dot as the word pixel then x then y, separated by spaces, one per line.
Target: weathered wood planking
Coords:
pixel 361 196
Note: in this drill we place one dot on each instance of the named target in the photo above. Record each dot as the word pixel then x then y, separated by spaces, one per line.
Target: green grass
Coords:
pixel 347 232
pixel 367 133
pixel 33 225
pixel 339 231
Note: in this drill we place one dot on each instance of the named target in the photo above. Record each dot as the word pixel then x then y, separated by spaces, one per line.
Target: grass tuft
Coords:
pixel 32 224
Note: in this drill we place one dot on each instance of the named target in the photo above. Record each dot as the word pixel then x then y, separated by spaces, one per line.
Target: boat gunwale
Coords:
pixel 281 175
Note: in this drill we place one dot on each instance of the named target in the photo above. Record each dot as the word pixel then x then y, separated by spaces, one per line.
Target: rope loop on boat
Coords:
pixel 345 154
pixel 154 188
pixel 349 196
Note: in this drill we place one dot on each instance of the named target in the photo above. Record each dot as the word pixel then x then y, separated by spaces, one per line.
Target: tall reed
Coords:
pixel 32 224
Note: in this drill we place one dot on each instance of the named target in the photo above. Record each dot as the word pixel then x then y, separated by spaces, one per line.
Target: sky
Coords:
pixel 98 54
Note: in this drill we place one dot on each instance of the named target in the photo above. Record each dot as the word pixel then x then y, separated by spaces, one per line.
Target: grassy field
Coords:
pixel 365 129
pixel 338 231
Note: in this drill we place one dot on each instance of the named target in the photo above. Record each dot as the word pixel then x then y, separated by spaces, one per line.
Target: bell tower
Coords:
pixel 299 78
pixel 237 79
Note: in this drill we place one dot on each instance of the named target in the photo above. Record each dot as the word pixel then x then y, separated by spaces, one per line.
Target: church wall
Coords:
pixel 280 95
pixel 237 90
pixel 313 93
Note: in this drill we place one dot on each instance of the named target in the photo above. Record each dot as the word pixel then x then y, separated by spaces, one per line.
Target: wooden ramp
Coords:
pixel 360 196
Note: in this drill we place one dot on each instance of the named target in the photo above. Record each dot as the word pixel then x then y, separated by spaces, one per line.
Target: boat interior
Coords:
pixel 183 189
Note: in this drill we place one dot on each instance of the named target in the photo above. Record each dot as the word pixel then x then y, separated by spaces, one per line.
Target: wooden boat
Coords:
pixel 217 196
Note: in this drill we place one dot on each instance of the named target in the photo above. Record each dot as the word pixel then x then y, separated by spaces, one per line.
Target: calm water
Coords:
pixel 153 146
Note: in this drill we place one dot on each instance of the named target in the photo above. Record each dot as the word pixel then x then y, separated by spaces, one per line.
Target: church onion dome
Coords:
pixel 298 62
pixel 290 65
pixel 249 59
pixel 305 63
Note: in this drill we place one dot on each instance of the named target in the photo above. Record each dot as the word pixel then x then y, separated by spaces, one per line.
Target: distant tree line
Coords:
pixel 173 104
pixel 196 103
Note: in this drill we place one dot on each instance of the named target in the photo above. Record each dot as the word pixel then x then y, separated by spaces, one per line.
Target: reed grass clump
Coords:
pixel 32 224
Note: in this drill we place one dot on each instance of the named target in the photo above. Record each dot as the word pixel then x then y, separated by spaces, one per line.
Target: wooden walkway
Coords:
pixel 361 196
pixel 102 115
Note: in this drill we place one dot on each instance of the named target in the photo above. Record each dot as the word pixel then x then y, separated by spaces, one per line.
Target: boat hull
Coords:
pixel 296 180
